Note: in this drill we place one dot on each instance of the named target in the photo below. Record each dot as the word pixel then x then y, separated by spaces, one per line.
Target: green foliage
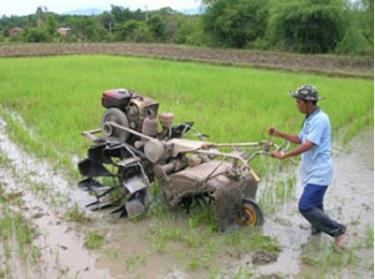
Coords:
pixel 157 27
pixel 307 26
pixel 37 35
pixel 189 30
pixel 57 114
pixel 74 214
pixel 133 30
pixel 94 240
pixel 51 25
pixel 122 14
pixel 107 20
pixel 86 29
pixel 236 23
pixel 354 43
pixel 13 226
pixel 359 34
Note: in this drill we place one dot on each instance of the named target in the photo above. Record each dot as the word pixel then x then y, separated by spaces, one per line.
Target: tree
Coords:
pixel 86 29
pixel 122 14
pixel 308 26
pixel 37 35
pixel 107 20
pixel 157 27
pixel 235 23
pixel 134 30
pixel 358 37
pixel 51 25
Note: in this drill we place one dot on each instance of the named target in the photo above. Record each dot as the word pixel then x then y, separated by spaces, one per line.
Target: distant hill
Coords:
pixel 87 12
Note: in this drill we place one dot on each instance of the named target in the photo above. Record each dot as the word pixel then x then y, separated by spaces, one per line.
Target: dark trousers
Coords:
pixel 311 207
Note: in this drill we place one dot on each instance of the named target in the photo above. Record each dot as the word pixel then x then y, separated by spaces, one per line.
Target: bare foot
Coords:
pixel 340 241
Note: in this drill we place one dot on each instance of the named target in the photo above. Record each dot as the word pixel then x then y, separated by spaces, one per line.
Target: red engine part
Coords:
pixel 116 98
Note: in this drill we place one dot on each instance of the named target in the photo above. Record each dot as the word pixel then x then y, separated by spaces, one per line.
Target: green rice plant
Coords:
pixel 134 261
pixel 261 242
pixel 94 240
pixel 369 241
pixel 162 234
pixel 74 214
pixel 228 103
pixel 325 260
pixel 13 226
pixel 242 273
pixel 194 263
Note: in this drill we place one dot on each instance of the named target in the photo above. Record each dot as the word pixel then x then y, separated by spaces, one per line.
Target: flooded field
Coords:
pixel 169 246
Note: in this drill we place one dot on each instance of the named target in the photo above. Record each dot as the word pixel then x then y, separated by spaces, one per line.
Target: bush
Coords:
pixel 142 35
pixel 235 23
pixel 135 31
pixel 36 35
pixel 157 27
pixel 308 26
pixel 354 43
pixel 189 30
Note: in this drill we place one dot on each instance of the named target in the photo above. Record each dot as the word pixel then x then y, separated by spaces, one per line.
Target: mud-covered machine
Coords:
pixel 134 149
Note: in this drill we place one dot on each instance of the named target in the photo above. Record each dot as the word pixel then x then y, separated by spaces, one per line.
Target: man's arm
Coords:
pixel 288 137
pixel 307 145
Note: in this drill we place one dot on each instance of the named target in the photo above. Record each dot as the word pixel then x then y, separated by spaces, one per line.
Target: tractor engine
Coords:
pixel 127 109
pixel 137 145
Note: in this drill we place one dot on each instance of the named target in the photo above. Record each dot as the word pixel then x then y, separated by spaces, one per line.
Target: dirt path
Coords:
pixel 129 252
pixel 361 67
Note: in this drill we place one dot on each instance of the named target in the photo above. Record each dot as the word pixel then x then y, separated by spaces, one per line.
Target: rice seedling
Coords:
pixel 230 104
pixel 94 240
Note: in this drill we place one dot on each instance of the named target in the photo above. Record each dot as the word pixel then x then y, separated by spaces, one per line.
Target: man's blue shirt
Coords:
pixel 316 164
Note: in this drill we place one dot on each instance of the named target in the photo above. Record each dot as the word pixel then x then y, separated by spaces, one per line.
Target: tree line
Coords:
pixel 304 26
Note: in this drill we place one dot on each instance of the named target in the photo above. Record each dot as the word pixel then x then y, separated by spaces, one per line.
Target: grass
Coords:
pixel 134 261
pixel 197 246
pixel 16 233
pixel 276 192
pixel 74 214
pixel 58 97
pixel 322 259
pixel 94 240
pixel 369 242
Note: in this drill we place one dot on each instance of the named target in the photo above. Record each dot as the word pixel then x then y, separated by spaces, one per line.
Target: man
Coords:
pixel 314 145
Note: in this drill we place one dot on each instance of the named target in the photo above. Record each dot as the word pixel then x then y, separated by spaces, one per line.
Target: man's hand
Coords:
pixel 273 131
pixel 278 154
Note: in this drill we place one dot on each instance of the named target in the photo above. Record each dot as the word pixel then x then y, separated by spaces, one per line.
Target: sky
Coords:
pixel 25 7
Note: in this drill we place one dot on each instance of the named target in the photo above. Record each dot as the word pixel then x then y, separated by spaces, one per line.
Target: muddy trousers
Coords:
pixel 311 207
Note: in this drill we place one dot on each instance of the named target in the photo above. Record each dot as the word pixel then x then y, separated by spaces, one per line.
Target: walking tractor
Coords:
pixel 133 149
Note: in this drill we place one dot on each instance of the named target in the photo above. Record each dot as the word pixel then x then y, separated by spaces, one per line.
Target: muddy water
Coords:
pixel 61 246
pixel 40 172
pixel 350 200
pixel 128 252
pixel 62 252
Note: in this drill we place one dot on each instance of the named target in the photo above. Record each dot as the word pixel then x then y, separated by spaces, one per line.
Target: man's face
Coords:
pixel 302 106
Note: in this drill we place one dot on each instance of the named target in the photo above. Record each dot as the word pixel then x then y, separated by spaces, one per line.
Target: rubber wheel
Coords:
pixel 251 214
pixel 119 117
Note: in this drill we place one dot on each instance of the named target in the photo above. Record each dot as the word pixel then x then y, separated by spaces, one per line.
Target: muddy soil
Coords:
pixel 128 250
pixel 329 65
pixel 349 200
